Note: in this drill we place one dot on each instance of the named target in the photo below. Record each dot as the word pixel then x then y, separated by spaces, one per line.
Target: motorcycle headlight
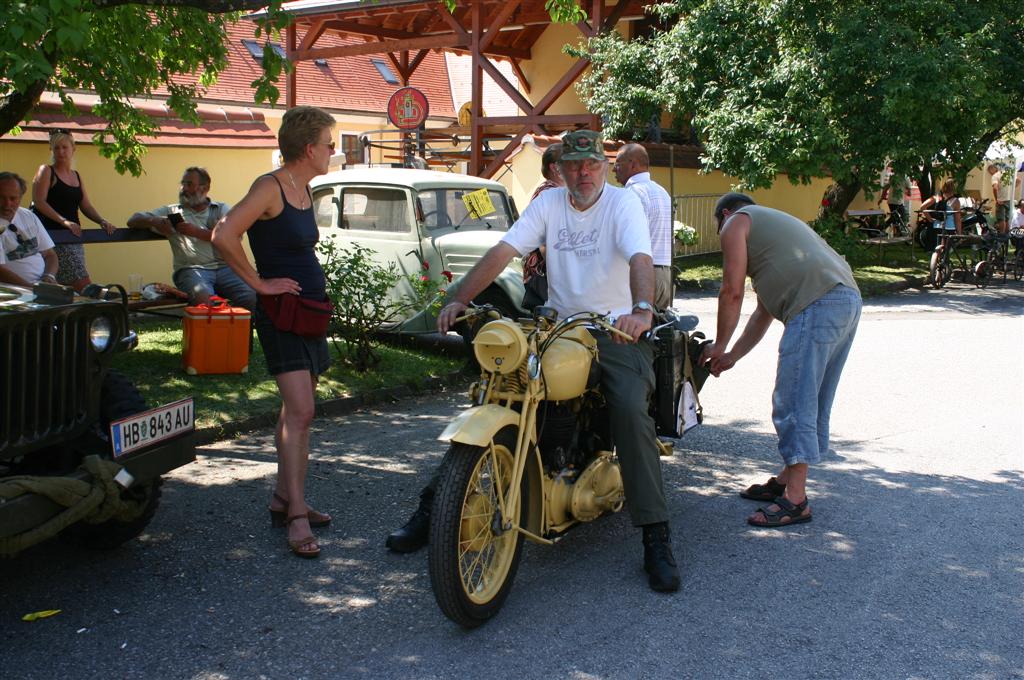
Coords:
pixel 500 346
pixel 100 333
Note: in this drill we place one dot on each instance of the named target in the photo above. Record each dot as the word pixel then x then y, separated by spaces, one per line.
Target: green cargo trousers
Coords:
pixel 627 382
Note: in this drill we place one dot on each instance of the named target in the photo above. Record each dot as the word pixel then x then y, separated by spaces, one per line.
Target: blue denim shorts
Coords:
pixel 200 284
pixel 812 354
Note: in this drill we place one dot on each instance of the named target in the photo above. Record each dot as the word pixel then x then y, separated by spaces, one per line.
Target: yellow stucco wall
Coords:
pixel 116 197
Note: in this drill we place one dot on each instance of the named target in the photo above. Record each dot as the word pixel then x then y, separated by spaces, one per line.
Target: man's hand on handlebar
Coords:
pixel 634 325
pixel 449 313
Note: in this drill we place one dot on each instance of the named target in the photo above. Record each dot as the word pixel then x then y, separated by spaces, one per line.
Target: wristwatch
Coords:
pixel 644 306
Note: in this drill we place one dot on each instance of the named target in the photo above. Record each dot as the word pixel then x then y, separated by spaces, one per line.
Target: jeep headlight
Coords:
pixel 100 332
pixel 500 346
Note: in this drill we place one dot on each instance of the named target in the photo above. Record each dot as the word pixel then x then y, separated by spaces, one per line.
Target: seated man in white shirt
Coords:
pixel 26 250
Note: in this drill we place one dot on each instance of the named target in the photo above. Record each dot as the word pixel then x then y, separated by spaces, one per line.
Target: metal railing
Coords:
pixel 697 211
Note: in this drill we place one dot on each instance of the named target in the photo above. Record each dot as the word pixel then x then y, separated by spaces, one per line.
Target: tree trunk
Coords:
pixel 837 199
pixel 15 106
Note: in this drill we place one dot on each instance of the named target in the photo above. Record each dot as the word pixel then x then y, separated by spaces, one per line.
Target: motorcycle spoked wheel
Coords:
pixel 471 566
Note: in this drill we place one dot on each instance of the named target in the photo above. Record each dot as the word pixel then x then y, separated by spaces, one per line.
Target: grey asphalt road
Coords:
pixel 912 568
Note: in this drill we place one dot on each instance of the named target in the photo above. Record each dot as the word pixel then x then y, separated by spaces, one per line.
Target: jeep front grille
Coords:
pixel 44 393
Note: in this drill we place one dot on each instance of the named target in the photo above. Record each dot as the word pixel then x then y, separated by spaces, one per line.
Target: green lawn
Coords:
pixel 155 368
pixel 873 276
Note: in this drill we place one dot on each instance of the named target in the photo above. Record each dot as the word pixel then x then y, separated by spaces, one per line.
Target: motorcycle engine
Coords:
pixel 570 433
pixel 556 429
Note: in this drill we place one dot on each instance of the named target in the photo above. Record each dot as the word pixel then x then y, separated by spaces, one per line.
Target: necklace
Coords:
pixel 302 201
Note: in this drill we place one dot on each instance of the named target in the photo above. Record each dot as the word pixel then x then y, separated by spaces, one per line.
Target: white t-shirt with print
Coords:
pixel 588 252
pixel 22 255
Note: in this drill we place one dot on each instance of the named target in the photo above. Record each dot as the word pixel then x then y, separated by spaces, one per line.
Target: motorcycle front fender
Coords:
pixel 477 425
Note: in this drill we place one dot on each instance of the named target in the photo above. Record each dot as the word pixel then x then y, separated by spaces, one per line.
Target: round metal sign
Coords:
pixel 407 108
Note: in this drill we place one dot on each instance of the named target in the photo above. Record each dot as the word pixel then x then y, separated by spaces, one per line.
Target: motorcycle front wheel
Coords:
pixel 474 549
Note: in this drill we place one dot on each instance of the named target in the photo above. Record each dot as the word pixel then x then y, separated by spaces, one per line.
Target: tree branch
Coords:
pixel 209 6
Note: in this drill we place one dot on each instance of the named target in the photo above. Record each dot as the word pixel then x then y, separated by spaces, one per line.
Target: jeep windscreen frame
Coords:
pixel 454 214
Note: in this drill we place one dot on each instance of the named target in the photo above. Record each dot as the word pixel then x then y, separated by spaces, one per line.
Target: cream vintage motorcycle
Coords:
pixel 534 456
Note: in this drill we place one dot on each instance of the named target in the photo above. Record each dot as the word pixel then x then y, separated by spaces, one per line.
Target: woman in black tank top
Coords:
pixel 278 215
pixel 57 195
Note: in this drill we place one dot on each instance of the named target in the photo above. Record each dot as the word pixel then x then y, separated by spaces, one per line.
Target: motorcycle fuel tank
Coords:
pixel 565 365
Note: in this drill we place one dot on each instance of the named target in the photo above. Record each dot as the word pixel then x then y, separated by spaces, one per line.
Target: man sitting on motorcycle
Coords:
pixel 599 259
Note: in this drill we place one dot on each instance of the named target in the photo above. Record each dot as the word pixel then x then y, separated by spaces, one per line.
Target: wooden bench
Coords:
pixel 883 241
pixel 168 306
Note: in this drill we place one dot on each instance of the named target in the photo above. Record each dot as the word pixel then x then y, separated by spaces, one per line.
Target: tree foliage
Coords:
pixel 119 50
pixel 812 88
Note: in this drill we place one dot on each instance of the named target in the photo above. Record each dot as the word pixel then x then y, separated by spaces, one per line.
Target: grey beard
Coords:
pixel 190 204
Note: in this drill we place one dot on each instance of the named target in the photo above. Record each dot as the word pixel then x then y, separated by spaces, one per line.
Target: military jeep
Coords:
pixel 80 454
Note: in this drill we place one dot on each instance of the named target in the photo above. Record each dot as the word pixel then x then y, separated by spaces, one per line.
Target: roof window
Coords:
pixel 385 71
pixel 256 49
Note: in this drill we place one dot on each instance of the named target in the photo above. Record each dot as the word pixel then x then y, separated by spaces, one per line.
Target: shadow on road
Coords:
pixel 899 574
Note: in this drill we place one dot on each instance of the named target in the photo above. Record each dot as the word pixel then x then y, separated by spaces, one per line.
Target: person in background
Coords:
pixel 1002 196
pixel 199 270
pixel 801 281
pixel 632 170
pixel 896 193
pixel 535 277
pixel 57 195
pixel 278 215
pixel 26 250
pixel 944 208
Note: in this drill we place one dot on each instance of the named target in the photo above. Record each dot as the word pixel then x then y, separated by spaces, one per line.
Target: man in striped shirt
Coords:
pixel 632 170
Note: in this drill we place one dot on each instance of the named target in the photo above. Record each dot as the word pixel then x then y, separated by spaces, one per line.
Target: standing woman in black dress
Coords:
pixel 57 195
pixel 278 215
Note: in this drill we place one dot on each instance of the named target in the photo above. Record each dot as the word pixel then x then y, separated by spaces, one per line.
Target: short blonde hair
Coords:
pixel 56 137
pixel 300 127
pixel 949 186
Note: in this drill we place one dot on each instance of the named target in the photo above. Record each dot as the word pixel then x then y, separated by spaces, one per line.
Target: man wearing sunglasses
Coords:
pixel 188 225
pixel 26 250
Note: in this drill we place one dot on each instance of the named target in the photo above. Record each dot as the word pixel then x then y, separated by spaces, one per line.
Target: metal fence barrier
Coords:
pixel 697 211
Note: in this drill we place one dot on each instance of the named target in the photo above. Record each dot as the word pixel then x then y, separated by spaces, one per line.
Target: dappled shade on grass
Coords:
pixel 155 368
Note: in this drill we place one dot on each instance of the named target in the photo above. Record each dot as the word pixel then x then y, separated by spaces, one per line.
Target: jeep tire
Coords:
pixel 118 399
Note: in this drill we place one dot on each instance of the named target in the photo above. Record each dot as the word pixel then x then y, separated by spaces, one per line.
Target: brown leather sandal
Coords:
pixel 278 517
pixel 296 544
pixel 768 491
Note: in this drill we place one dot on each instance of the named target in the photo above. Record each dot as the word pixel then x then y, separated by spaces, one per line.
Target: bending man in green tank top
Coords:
pixel 806 285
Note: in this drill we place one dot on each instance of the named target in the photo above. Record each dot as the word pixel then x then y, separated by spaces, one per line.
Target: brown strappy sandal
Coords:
pixel 296 544
pixel 278 517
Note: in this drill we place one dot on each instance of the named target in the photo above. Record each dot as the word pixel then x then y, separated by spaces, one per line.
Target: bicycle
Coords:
pixel 1017 236
pixel 896 224
pixel 996 260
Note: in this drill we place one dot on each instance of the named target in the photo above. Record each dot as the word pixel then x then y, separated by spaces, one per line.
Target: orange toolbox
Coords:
pixel 215 338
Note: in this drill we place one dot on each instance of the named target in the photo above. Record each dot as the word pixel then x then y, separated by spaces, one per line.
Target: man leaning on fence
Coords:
pixel 26 250
pixel 188 225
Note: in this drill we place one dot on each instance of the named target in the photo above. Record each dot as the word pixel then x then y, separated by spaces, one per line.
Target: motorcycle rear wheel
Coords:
pixel 473 560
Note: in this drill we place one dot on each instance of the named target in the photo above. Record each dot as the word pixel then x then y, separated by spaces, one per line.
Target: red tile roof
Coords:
pixel 350 84
pixel 218 128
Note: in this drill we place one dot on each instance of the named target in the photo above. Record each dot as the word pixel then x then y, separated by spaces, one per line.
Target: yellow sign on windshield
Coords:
pixel 478 203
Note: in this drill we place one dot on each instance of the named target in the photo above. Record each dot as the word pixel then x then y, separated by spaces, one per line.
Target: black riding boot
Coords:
pixel 660 565
pixel 415 533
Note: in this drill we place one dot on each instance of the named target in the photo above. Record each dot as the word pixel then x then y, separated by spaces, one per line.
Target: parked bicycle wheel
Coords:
pixel 938 270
